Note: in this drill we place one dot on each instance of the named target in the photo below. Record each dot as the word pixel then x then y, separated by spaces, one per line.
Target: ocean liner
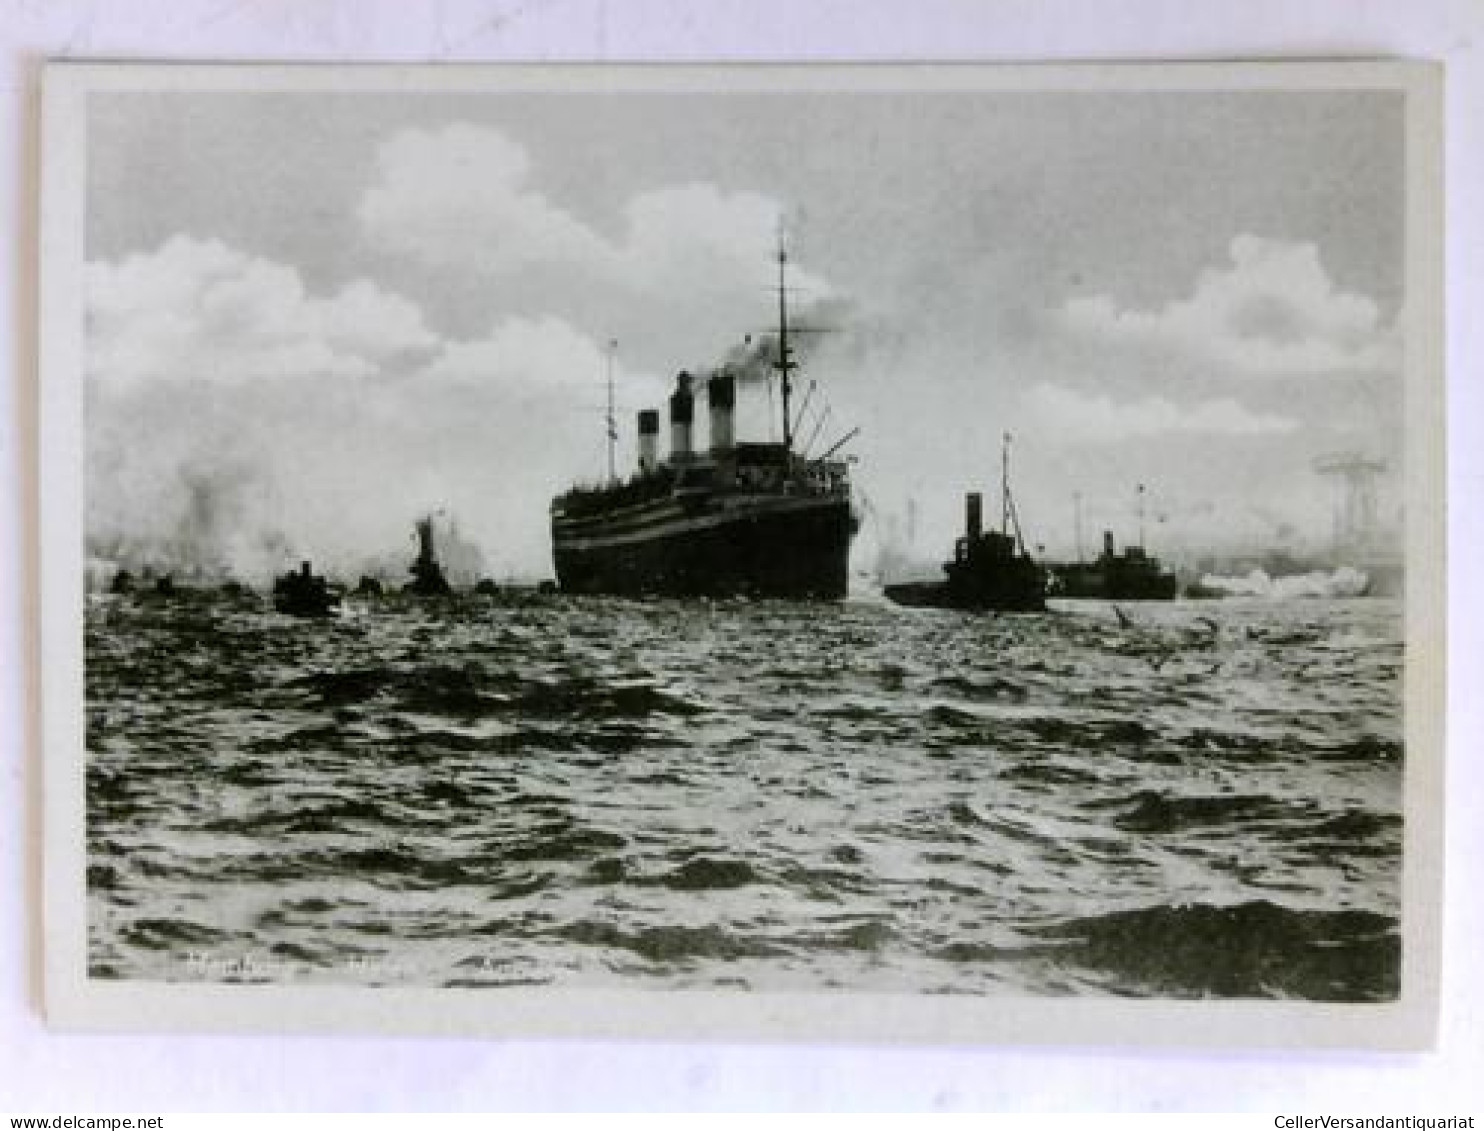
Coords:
pixel 738 519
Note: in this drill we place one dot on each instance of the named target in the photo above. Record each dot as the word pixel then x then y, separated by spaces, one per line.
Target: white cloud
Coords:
pixel 364 320
pixel 698 235
pixel 238 420
pixel 1273 310
pixel 522 358
pixel 1090 418
pixel 461 196
pixel 202 312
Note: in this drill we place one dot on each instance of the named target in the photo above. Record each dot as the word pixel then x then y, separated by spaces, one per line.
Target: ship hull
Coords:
pixel 788 548
pixel 1015 585
pixel 1080 581
pixel 1013 598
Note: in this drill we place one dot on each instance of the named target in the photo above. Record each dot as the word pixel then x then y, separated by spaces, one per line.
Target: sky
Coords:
pixel 311 317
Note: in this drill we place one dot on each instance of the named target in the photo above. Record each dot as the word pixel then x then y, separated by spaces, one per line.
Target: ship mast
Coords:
pixel 1005 484
pixel 1141 516
pixel 1077 522
pixel 612 421
pixel 1008 517
pixel 785 363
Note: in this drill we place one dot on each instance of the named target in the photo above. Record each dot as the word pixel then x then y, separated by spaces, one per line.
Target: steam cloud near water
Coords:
pixel 253 505
pixel 1342 582
pixel 210 481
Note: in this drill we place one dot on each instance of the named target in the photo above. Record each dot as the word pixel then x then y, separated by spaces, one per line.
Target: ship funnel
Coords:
pixel 1108 544
pixel 721 395
pixel 973 514
pixel 682 413
pixel 649 439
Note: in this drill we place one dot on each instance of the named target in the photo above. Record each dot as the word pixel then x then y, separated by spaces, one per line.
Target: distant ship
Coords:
pixel 1130 576
pixel 303 593
pixel 990 570
pixel 1133 575
pixel 742 519
pixel 428 578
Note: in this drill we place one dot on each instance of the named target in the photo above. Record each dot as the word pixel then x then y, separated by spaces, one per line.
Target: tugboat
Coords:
pixel 990 569
pixel 303 593
pixel 428 579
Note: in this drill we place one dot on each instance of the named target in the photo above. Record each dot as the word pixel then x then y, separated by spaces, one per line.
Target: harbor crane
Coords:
pixel 1355 502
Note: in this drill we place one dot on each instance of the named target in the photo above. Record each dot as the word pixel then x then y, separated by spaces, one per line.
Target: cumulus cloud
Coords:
pixel 461 196
pixel 1094 417
pixel 200 311
pixel 1273 309
pixel 238 421
pixel 525 361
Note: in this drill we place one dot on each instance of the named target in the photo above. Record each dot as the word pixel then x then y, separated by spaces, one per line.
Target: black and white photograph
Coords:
pixel 899 550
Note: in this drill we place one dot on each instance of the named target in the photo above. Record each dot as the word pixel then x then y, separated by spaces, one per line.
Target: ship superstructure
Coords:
pixel 757 519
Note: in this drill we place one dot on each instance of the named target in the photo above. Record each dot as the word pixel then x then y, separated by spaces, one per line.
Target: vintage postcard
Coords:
pixel 932 553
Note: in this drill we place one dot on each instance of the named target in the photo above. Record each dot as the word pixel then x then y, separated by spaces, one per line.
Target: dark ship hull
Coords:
pixel 1130 576
pixel 726 545
pixel 1115 584
pixel 1008 592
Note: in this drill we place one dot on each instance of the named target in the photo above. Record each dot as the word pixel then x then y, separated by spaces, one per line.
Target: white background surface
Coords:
pixel 54 1074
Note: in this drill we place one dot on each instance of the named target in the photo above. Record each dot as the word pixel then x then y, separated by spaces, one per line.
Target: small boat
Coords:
pixel 428 578
pixel 303 593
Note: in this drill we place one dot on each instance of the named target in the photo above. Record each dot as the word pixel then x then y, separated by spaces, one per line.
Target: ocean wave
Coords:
pixel 600 792
pixel 168 933
pixel 1252 949
pixel 705 873
pixel 669 944
pixel 1152 812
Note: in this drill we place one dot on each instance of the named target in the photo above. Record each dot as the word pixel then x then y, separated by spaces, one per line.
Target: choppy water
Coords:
pixel 589 792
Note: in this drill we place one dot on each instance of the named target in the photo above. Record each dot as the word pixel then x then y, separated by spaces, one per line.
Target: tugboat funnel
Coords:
pixel 649 439
pixel 682 414
pixel 973 514
pixel 721 395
